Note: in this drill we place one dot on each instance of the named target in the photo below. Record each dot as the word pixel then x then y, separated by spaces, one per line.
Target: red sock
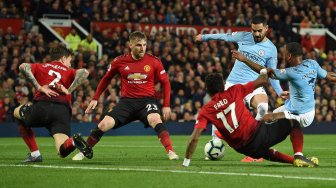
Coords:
pixel 67 147
pixel 92 141
pixel 165 140
pixel 296 137
pixel 68 144
pixel 280 157
pixel 28 136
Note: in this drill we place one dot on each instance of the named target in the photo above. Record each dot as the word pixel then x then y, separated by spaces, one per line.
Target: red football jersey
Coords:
pixel 227 111
pixel 138 77
pixel 50 73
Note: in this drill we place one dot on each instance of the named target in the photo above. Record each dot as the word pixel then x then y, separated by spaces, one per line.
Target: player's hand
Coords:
pixel 237 55
pixel 60 88
pixel 268 118
pixel 166 113
pixel 285 95
pixel 47 91
pixel 91 106
pixel 270 73
pixel 198 38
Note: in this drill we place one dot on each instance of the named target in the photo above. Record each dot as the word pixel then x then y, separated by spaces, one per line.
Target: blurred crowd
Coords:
pixel 186 62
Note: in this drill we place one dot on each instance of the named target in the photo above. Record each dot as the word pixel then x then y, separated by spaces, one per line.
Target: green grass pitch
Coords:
pixel 140 161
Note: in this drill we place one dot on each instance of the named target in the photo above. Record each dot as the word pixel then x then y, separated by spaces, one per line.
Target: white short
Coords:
pixel 247 99
pixel 304 119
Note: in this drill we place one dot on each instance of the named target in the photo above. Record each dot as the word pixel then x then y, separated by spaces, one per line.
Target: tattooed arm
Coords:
pixel 81 76
pixel 25 68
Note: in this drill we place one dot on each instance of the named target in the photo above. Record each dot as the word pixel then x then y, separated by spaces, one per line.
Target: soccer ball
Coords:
pixel 214 149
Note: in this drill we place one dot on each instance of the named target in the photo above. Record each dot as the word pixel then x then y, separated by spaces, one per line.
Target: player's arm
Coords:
pixel 192 144
pixel 101 87
pixel 229 37
pixel 81 76
pixel 163 78
pixel 254 66
pixel 26 69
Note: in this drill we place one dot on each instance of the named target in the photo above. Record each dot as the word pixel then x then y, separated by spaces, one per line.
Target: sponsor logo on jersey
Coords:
pixel 254 57
pixel 147 68
pixel 127 68
pixel 261 52
pixel 137 76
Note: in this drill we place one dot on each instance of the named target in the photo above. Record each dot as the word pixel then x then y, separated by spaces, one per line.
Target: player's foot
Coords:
pixel 31 159
pixel 83 146
pixel 78 157
pixel 172 155
pixel 206 158
pixel 302 161
pixel 248 159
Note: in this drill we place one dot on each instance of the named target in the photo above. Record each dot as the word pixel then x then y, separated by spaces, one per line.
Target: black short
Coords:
pixel 128 110
pixel 267 136
pixel 54 116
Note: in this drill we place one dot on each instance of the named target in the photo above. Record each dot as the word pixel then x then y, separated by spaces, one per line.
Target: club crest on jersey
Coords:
pixel 261 52
pixel 147 68
pixel 283 71
pixel 137 76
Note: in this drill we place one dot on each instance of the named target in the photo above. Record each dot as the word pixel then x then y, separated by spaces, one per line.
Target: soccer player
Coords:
pixel 51 107
pixel 258 47
pixel 302 75
pixel 226 110
pixel 139 72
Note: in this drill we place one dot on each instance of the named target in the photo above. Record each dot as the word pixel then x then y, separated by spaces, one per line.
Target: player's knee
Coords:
pixel 154 119
pixel 106 124
pixel 159 128
pixel 262 109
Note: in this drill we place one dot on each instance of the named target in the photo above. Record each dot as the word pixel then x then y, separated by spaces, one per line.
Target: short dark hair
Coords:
pixel 214 83
pixel 294 48
pixel 259 19
pixel 137 35
pixel 58 51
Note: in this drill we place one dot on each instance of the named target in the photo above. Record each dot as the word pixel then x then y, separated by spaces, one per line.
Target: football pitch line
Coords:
pixel 169 171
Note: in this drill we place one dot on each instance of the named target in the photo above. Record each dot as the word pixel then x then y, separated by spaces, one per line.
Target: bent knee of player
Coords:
pixel 106 124
pixel 262 108
pixel 154 119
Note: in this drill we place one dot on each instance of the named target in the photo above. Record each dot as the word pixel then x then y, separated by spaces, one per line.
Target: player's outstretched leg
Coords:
pixel 165 140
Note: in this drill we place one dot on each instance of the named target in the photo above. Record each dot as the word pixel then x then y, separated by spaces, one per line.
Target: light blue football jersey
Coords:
pixel 263 53
pixel 302 80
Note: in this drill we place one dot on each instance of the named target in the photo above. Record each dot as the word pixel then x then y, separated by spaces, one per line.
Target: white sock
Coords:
pixel 298 153
pixel 35 153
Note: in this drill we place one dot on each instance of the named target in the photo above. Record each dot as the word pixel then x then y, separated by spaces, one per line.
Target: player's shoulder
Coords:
pixel 120 57
pixel 310 63
pixel 152 57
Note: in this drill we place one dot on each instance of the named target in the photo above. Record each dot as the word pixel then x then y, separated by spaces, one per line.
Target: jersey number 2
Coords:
pixel 57 79
pixel 221 115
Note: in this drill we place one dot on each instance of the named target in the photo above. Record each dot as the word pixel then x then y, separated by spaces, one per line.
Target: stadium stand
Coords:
pixel 186 62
